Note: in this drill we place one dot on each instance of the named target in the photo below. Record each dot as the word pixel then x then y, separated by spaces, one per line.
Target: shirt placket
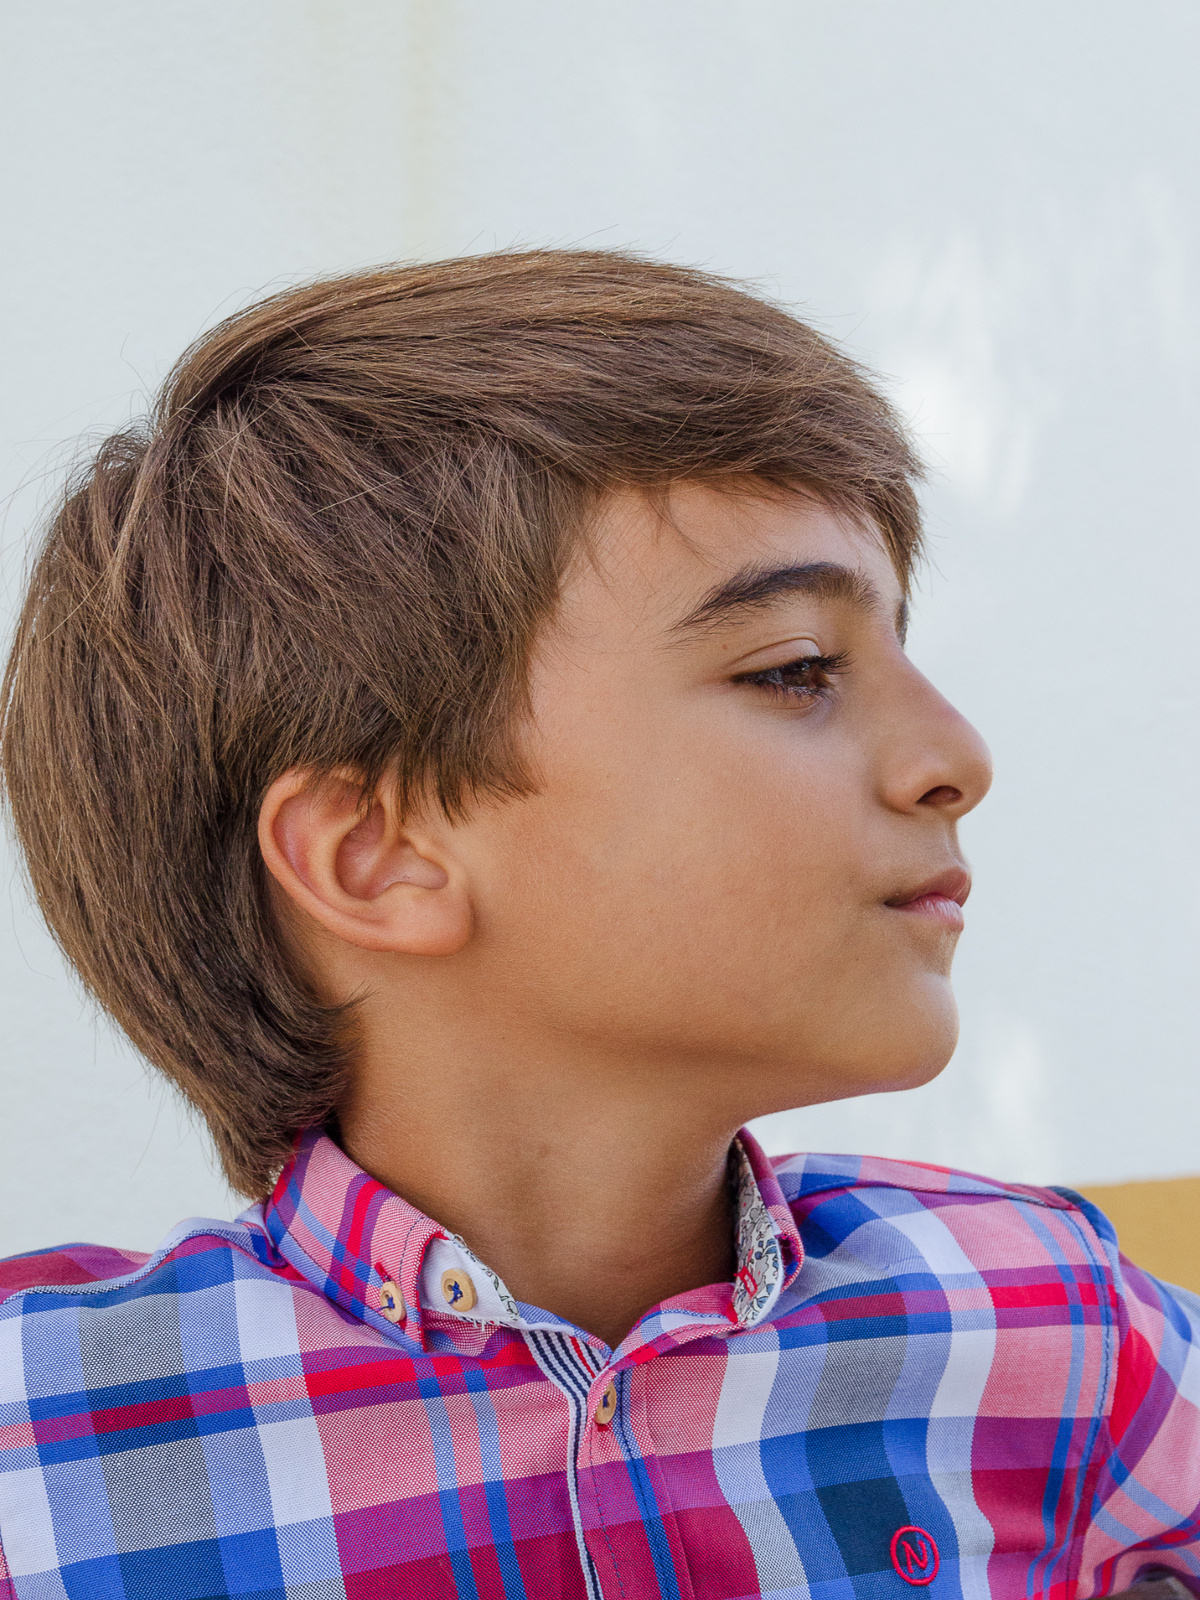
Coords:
pixel 623 1519
pixel 575 1368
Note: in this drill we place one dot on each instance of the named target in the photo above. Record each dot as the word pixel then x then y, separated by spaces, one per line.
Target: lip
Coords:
pixel 941 899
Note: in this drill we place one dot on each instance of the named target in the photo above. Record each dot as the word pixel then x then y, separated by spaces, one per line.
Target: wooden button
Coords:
pixel 391 1302
pixel 457 1290
pixel 606 1408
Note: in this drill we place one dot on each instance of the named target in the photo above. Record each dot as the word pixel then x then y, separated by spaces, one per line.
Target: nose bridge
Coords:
pixel 929 745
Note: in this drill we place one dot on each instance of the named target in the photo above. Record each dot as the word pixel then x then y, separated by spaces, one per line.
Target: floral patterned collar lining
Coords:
pixel 381 1259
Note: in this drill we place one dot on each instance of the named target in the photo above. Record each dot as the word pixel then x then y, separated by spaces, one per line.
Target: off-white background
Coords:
pixel 993 201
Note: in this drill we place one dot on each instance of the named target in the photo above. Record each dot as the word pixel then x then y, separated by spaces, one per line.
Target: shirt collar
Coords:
pixel 366 1248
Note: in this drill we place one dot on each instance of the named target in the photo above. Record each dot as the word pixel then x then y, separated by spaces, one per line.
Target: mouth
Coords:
pixel 939 899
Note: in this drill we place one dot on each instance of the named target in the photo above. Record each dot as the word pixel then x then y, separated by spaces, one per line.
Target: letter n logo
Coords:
pixel 915 1556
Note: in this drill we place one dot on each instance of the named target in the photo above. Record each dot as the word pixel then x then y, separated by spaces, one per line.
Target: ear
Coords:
pixel 363 875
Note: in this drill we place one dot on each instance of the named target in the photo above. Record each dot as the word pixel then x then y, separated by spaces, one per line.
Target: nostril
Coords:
pixel 944 795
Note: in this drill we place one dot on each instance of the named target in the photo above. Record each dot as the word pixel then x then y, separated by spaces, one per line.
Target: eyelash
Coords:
pixel 823 668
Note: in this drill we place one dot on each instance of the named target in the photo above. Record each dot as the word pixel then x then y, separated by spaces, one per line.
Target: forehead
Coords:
pixel 649 562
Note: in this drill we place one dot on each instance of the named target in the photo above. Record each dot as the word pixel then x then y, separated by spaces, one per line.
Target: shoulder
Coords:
pixel 809 1176
pixel 954 1222
pixel 813 1173
pixel 115 1359
pixel 87 1332
pixel 1025 1247
pixel 75 1272
pixel 1024 1316
pixel 66 1264
pixel 95 1312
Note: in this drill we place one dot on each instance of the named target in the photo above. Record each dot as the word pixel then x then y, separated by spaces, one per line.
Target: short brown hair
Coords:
pixel 331 546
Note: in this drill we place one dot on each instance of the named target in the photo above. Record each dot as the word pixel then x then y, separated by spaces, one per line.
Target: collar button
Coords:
pixel 457 1290
pixel 606 1407
pixel 391 1301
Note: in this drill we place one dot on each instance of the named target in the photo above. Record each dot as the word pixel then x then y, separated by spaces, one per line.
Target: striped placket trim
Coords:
pixel 572 1367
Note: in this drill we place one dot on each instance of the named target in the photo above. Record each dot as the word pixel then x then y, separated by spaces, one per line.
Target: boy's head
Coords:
pixel 511 642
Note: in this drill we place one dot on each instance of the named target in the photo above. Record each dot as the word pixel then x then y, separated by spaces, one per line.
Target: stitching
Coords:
pixel 579 1417
pixel 591 1438
pixel 997 1191
pixel 636 1472
pixel 540 1345
pixel 418 1309
pixel 644 1490
pixel 126 1280
pixel 412 1227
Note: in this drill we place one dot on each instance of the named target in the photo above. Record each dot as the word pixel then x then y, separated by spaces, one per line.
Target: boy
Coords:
pixel 466 742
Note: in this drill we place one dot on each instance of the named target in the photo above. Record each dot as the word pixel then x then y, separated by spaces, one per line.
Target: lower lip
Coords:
pixel 937 908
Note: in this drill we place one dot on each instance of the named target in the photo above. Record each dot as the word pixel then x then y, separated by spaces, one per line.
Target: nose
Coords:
pixel 935 759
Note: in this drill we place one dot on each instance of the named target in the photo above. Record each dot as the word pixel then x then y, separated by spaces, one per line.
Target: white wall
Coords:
pixel 994 203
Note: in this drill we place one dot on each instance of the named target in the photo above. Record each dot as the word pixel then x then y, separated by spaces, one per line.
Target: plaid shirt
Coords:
pixel 917 1379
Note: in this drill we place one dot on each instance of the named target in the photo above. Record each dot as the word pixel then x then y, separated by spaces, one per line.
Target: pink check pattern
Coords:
pixel 916 1377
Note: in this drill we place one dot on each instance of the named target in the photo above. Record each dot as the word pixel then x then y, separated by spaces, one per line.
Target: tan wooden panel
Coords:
pixel 1158 1224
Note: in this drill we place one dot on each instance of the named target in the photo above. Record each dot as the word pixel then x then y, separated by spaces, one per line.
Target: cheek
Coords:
pixel 720 905
pixel 725 876
pixel 765 858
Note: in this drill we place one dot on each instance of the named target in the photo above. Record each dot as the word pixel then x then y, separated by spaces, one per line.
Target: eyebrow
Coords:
pixel 756 588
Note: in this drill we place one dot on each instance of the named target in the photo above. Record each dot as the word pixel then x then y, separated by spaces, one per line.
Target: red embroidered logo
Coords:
pixel 915 1556
pixel 748 1281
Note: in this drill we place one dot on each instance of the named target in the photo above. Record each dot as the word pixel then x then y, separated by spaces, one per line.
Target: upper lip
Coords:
pixel 954 884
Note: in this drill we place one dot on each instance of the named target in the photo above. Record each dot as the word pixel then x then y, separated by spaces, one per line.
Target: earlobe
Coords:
pixel 366 877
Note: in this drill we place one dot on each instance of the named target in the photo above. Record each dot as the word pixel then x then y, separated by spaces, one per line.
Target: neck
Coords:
pixel 595 1192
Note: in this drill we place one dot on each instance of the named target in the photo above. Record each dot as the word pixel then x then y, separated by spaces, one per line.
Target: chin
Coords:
pixel 920 1053
pixel 878 1066
pixel 923 1071
pixel 912 1049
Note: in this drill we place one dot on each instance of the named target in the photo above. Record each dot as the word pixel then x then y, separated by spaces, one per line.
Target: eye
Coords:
pixel 805 679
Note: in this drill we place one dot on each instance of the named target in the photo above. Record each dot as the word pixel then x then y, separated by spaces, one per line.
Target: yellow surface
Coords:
pixel 1158 1225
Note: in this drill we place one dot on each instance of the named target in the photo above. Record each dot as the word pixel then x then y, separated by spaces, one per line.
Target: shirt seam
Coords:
pixel 316 1283
pixel 419 1337
pixel 595 1486
pixel 108 1285
pixel 576 1429
pixel 652 1490
pixel 849 1185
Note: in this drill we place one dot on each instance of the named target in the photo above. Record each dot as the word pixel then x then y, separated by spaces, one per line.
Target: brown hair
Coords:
pixel 331 545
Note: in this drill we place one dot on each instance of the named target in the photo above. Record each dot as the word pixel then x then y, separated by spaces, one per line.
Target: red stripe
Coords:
pixel 1055 1293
